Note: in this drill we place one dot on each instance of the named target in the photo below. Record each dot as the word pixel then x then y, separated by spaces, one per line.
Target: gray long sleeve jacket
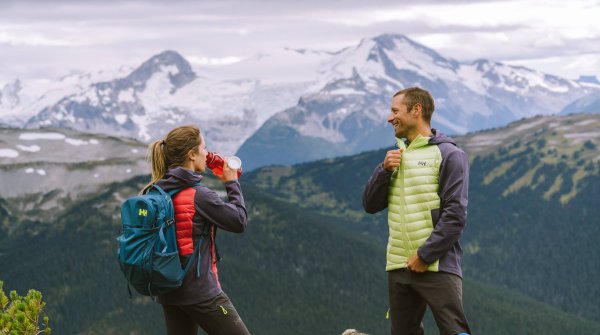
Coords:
pixel 206 211
pixel 427 200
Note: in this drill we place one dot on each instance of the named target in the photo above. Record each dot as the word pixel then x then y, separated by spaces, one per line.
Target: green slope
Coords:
pixel 292 272
pixel 533 212
pixel 312 262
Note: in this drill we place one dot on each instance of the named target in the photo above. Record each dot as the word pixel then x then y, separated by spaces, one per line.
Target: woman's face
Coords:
pixel 200 161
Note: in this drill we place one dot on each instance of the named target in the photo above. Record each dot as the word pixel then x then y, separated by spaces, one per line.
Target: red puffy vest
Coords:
pixel 183 203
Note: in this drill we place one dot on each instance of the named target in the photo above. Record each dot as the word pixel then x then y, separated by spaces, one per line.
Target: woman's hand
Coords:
pixel 228 173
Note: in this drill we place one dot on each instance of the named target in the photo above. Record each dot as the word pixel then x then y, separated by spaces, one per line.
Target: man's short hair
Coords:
pixel 416 95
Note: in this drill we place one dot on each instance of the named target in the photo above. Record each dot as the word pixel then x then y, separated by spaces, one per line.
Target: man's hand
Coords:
pixel 416 264
pixel 392 159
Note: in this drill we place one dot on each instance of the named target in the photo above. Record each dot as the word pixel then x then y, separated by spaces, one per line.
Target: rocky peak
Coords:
pixel 180 76
pixel 588 79
pixel 9 94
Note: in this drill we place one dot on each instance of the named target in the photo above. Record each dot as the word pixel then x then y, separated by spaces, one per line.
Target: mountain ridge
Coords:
pixel 349 112
pixel 164 91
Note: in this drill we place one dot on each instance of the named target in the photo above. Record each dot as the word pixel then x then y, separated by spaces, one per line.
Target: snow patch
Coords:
pixel 529 125
pixel 41 172
pixel 135 151
pixel 450 125
pixel 170 69
pixel 127 96
pixel 9 153
pixel 588 135
pixel 29 148
pixel 485 142
pixel 128 171
pixel 554 125
pixel 89 96
pixel 407 56
pixel 313 127
pixel 29 170
pixel 585 122
pixel 346 91
pixel 76 142
pixel 342 111
pixel 471 78
pixel 41 136
pixel 528 78
pixel 121 118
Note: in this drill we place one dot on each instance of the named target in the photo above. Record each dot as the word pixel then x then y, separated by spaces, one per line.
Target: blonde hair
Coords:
pixel 172 151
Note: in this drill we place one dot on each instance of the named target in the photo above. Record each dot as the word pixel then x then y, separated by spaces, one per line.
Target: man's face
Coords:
pixel 400 118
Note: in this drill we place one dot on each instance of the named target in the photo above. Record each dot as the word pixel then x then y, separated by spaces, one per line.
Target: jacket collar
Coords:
pixel 179 177
pixel 419 141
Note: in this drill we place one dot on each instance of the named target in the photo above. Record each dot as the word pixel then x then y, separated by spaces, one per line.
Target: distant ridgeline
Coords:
pixel 332 104
pixel 44 171
pixel 311 261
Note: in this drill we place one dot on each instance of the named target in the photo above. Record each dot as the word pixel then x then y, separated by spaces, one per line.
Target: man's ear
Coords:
pixel 417 110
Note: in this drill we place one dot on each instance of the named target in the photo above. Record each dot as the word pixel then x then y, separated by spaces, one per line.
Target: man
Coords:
pixel 424 186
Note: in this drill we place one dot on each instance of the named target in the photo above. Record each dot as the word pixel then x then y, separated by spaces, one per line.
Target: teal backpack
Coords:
pixel 148 254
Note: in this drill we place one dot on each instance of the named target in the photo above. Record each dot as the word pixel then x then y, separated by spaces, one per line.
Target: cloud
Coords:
pixel 213 61
pixel 586 64
pixel 30 38
pixel 112 33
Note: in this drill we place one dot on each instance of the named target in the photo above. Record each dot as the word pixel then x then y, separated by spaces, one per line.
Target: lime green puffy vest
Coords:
pixel 412 194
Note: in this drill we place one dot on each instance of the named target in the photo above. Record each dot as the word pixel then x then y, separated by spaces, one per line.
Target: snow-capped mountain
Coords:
pixel 114 107
pixel 335 101
pixel 162 93
pixel 21 100
pixel 348 114
pixel 9 94
pixel 587 104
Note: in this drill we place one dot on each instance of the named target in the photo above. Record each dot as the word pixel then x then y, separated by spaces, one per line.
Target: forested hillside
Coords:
pixel 533 211
pixel 311 262
pixel 291 272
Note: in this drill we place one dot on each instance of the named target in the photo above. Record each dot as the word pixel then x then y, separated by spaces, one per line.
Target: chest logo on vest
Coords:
pixel 422 163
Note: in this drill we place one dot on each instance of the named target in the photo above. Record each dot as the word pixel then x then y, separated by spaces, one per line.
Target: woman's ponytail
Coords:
pixel 156 156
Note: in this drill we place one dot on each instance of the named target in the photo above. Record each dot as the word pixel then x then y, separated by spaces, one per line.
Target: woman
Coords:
pixel 176 162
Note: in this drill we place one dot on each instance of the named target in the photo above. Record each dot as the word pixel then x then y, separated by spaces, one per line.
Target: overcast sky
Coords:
pixel 49 39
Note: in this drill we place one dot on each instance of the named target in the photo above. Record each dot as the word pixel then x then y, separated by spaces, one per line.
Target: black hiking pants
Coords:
pixel 216 317
pixel 410 293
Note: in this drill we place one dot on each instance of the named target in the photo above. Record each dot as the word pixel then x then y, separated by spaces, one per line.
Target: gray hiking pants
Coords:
pixel 410 293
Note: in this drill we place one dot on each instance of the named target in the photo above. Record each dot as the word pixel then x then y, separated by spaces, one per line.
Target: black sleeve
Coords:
pixel 231 215
pixel 375 195
pixel 454 185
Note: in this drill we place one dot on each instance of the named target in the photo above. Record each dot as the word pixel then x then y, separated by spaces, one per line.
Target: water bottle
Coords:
pixel 214 161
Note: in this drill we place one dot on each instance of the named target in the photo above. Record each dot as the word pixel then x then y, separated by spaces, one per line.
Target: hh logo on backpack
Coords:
pixel 148 254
